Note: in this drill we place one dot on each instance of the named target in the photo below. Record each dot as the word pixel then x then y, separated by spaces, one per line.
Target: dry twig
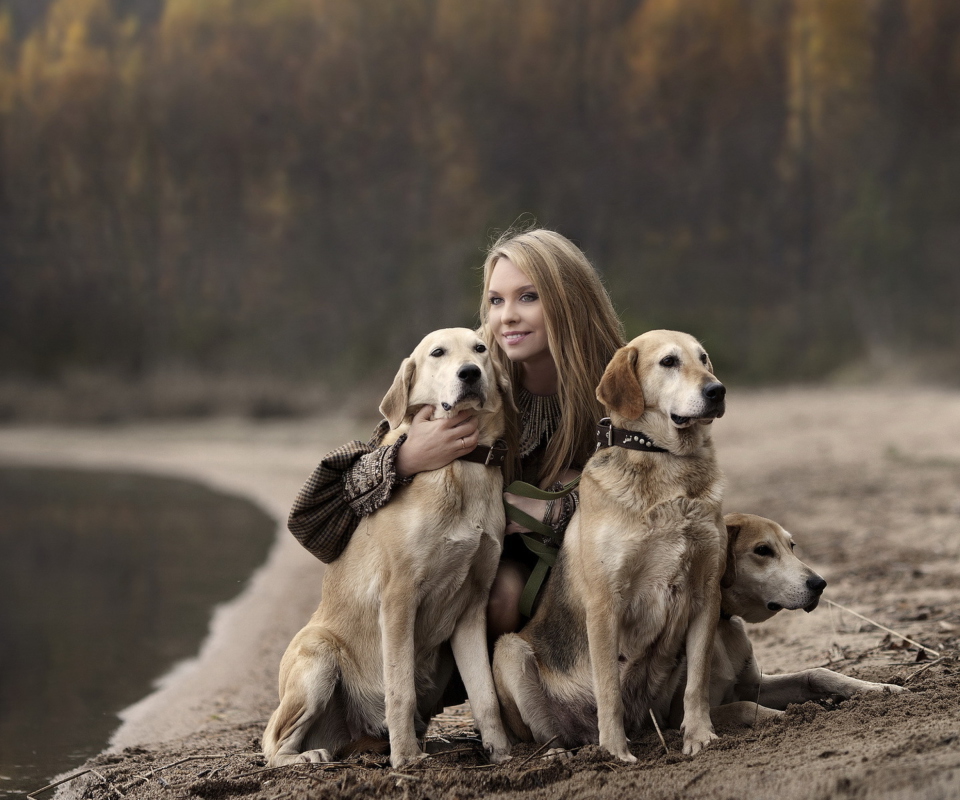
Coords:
pixel 137 780
pixel 537 752
pixel 883 627
pixel 927 666
pixel 657 728
pixel 32 795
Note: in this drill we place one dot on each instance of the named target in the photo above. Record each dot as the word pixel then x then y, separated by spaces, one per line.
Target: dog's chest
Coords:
pixel 461 500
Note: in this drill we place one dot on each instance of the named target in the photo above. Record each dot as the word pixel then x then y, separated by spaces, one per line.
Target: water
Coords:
pixel 106 581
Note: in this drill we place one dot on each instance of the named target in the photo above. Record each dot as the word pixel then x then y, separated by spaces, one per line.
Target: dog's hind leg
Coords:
pixel 526 709
pixel 310 711
pixel 469 642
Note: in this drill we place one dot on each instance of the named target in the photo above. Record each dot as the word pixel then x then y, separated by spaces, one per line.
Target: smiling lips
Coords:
pixel 515 337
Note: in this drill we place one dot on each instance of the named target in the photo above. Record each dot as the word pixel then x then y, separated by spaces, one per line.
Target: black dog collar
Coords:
pixel 608 436
pixel 494 456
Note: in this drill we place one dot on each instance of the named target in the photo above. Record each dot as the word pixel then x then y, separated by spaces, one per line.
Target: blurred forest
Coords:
pixel 302 188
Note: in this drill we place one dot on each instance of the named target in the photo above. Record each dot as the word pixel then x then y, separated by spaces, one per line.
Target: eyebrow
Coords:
pixel 526 288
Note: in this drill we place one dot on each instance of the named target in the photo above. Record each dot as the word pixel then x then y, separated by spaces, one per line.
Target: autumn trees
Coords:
pixel 303 186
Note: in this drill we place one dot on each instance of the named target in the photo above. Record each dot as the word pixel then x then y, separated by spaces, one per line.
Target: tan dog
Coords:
pixel 415 575
pixel 637 581
pixel 763 577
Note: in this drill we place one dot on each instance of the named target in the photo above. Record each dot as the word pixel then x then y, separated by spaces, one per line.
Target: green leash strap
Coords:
pixel 546 553
pixel 528 490
pixel 532 588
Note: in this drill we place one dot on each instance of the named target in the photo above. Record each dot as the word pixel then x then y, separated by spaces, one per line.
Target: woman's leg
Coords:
pixel 503 607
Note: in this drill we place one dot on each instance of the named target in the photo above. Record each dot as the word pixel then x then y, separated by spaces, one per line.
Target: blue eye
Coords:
pixel 495 301
pixel 529 297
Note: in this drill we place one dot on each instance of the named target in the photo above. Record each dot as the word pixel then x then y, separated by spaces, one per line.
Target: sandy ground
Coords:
pixel 868 482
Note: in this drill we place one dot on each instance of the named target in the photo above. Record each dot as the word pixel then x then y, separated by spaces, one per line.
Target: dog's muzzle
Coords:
pixel 472 387
pixel 714 394
pixel 815 584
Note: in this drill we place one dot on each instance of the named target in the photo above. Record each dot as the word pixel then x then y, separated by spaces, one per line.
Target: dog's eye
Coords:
pixel 792 545
pixel 669 361
pixel 437 353
pixel 703 358
pixel 481 348
pixel 763 550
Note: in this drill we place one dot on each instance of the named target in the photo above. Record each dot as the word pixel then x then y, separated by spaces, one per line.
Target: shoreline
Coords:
pixel 232 677
pixel 230 685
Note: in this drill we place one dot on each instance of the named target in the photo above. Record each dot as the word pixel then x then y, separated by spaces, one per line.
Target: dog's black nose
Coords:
pixel 715 391
pixel 469 373
pixel 816 584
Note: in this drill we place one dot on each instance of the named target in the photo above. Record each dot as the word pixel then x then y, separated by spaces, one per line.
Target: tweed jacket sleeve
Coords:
pixel 351 482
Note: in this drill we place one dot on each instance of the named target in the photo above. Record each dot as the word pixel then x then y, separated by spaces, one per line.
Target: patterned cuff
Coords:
pixel 370 483
pixel 390 464
pixel 559 518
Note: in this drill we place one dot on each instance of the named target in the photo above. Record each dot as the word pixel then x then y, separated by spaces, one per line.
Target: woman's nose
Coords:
pixel 510 311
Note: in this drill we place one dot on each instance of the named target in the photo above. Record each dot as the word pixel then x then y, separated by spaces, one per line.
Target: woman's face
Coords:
pixel 516 316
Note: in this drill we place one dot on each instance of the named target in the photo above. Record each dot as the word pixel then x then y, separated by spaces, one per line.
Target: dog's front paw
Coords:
pixel 693 743
pixel 892 688
pixel 315 757
pixel 620 750
pixel 498 754
pixel 557 754
pixel 400 758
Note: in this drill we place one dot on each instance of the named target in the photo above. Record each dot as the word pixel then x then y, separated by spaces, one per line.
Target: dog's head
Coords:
pixel 763 576
pixel 664 373
pixel 450 369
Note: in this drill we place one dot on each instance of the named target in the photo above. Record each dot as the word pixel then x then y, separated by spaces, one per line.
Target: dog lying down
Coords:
pixel 762 578
pixel 415 575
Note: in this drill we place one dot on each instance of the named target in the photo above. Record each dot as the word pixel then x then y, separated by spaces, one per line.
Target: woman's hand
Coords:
pixel 434 443
pixel 535 508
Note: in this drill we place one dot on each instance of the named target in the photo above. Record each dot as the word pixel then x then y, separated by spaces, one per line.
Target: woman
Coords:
pixel 546 316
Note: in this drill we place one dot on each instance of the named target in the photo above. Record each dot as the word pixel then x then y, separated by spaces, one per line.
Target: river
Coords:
pixel 107 579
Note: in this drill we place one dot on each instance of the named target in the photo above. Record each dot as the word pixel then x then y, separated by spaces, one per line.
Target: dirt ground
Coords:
pixel 868 483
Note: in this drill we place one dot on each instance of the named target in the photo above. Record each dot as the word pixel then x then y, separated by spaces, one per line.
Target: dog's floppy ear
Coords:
pixel 730 573
pixel 619 388
pixel 394 403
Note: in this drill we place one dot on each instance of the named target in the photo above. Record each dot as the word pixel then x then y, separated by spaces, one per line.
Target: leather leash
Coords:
pixel 546 553
pixel 606 436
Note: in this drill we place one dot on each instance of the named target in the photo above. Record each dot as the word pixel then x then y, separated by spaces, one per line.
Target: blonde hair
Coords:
pixel 583 332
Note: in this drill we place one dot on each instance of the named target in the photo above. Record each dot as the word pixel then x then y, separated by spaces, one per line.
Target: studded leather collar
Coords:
pixel 608 436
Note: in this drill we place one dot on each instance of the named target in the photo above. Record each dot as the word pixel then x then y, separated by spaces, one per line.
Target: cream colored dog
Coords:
pixel 637 581
pixel 415 575
pixel 763 577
